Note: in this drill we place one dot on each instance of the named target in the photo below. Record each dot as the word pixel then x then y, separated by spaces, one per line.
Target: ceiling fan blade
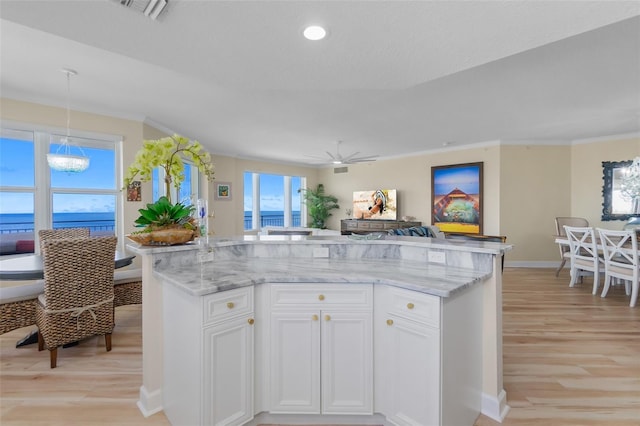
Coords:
pixel 362 159
pixel 337 158
pixel 332 156
pixel 350 156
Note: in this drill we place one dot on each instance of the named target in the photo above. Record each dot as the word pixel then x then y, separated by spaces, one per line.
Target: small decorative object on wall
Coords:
pixel 456 198
pixel 134 191
pixel 223 191
pixel 375 204
pixel 621 200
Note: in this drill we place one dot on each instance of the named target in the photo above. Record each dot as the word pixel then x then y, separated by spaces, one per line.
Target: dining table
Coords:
pixel 31 267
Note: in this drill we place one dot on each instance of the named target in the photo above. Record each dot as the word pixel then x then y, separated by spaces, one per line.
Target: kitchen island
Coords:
pixel 322 326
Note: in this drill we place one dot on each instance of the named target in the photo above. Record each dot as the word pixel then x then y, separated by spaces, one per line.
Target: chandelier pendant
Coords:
pixel 63 160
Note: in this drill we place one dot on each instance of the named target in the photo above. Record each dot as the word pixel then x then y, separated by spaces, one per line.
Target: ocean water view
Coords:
pixel 270 218
pixel 105 221
pixel 23 222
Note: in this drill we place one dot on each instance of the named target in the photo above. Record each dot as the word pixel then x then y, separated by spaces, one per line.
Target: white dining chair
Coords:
pixel 583 249
pixel 620 253
pixel 561 221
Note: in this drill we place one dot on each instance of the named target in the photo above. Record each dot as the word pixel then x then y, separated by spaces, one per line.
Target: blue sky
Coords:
pixel 271 192
pixel 17 170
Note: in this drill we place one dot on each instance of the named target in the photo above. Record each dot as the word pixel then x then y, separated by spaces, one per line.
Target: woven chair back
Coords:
pixel 56 234
pixel 78 271
pixel 561 221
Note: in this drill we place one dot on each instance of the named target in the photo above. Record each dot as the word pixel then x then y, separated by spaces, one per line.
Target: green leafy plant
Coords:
pixel 162 214
pixel 168 153
pixel 319 204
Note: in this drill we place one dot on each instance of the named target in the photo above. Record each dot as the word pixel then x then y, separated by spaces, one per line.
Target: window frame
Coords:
pixel 287 198
pixel 196 183
pixel 43 200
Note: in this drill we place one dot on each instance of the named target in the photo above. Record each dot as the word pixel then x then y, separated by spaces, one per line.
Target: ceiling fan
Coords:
pixel 338 158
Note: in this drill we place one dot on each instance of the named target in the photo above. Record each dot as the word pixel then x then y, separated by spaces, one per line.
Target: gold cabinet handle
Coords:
pixel 251 321
pixel 410 306
pixel 230 305
pixel 389 322
pixel 321 297
pixel 327 317
pixel 315 318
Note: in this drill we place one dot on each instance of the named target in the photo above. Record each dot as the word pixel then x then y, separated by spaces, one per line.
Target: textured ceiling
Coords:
pixel 392 78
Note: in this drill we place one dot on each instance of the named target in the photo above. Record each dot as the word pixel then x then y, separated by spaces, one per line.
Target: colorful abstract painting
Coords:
pixel 456 197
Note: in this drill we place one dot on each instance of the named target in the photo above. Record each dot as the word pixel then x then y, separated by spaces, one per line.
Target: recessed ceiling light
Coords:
pixel 314 32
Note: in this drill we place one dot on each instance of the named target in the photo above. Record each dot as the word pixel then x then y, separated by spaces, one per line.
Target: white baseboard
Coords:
pixel 149 403
pixel 311 419
pixel 495 408
pixel 532 264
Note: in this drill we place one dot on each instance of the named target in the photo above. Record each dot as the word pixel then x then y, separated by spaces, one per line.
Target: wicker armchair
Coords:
pixel 78 292
pixel 56 234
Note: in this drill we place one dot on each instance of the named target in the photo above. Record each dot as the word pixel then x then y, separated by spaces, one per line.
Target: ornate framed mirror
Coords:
pixel 614 206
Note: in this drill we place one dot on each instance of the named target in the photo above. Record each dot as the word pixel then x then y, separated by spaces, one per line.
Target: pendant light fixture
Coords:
pixel 63 160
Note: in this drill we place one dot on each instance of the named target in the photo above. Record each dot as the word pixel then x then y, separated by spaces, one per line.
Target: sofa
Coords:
pixel 418 231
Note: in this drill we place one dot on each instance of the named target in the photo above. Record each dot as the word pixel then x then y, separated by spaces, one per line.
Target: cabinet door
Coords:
pixel 347 363
pixel 228 372
pixel 412 372
pixel 295 362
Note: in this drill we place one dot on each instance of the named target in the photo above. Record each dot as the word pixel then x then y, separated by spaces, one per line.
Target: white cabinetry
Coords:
pixel 313 353
pixel 208 347
pixel 295 362
pixel 428 357
pixel 228 372
pixel 321 349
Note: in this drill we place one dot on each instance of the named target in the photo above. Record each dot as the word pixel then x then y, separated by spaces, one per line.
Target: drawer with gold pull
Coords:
pixel 228 304
pixel 420 307
pixel 321 295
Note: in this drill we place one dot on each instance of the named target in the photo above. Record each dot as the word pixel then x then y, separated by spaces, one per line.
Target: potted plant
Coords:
pixel 319 204
pixel 168 153
pixel 165 224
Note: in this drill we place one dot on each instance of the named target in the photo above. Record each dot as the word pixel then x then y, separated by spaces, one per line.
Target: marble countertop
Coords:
pixel 437 243
pixel 215 276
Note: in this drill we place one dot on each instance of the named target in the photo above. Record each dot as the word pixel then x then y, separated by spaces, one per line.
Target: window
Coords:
pixel 189 189
pixel 272 200
pixel 88 199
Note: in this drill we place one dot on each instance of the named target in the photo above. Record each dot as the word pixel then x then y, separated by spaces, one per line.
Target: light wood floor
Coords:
pixel 570 358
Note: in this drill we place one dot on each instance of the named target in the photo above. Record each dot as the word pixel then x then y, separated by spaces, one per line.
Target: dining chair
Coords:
pixel 78 292
pixel 620 252
pixel 583 251
pixel 50 234
pixel 561 221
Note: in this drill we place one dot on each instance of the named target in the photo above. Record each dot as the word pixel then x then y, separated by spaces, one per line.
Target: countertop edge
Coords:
pixel 246 280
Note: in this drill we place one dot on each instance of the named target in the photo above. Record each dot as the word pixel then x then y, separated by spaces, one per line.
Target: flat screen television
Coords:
pixel 375 204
